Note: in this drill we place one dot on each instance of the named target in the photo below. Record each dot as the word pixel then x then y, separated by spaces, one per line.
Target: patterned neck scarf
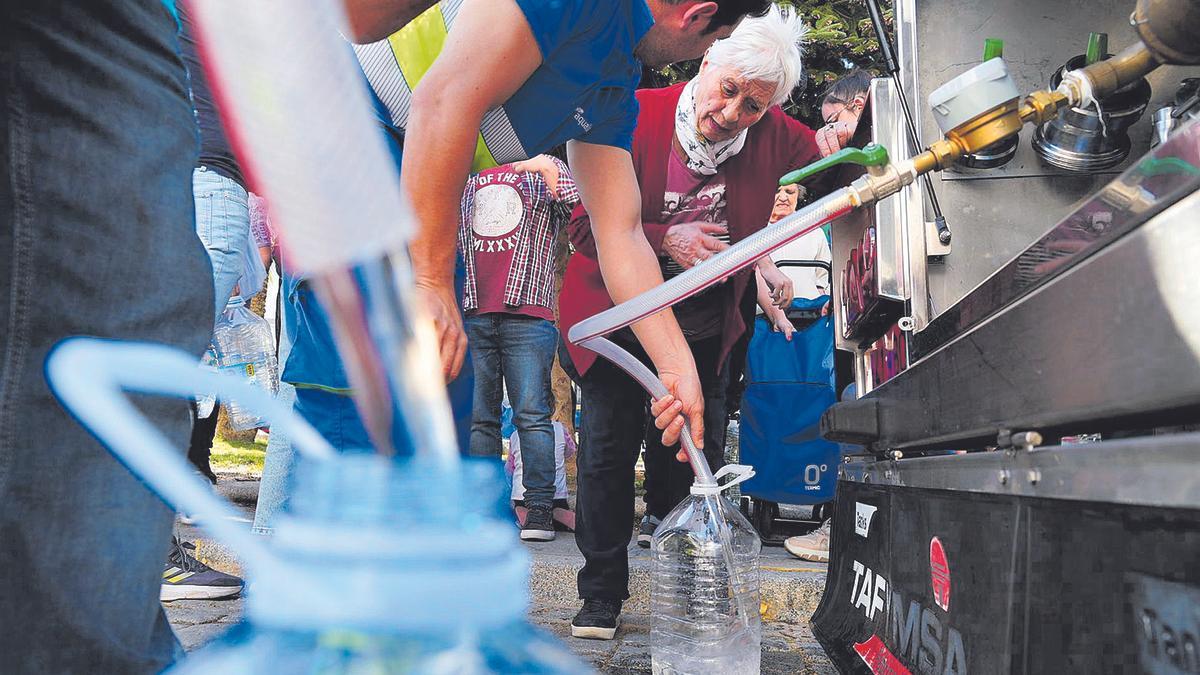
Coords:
pixel 702 156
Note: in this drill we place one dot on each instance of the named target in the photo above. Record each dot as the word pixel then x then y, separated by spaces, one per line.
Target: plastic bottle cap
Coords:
pixel 740 473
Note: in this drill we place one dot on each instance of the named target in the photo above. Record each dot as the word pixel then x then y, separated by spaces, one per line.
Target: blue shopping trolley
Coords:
pixel 788 386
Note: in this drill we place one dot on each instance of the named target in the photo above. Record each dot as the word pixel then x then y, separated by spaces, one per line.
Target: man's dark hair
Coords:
pixel 853 83
pixel 731 11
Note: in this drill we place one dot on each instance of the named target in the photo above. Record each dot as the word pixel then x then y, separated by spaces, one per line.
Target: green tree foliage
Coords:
pixel 840 39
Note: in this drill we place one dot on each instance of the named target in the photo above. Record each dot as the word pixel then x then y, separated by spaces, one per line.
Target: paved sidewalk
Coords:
pixel 788 649
pixel 791 589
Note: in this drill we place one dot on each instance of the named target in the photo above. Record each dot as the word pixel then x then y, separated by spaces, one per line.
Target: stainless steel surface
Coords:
pixel 898 220
pixel 1114 338
pixel 1150 471
pixel 1158 179
pixel 996 213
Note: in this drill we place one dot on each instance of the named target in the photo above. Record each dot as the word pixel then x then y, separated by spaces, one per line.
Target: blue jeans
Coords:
pixel 280 459
pixel 223 223
pixel 517 351
pixel 97 237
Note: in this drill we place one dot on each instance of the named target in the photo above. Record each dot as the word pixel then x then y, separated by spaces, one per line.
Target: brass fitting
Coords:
pixel 881 182
pixel 987 129
pixel 1041 106
pixel 940 155
pixel 1132 64
pixel 973 135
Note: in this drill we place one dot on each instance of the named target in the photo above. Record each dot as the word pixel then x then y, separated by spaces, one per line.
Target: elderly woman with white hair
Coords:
pixel 708 155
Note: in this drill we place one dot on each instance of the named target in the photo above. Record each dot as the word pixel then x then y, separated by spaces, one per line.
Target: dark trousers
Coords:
pixel 97 237
pixel 615 423
pixel 204 430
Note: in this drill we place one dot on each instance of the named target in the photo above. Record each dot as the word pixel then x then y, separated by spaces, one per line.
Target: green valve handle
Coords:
pixel 992 47
pixel 1097 48
pixel 871 155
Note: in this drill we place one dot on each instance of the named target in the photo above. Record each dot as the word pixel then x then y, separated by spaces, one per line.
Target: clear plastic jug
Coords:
pixel 244 345
pixel 379 565
pixel 704 598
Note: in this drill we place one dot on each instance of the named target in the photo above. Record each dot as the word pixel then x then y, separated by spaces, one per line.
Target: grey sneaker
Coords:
pixel 539 523
pixel 186 578
pixel 646 530
pixel 813 546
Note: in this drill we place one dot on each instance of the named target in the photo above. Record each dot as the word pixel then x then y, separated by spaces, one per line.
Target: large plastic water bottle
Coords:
pixel 206 401
pixel 245 345
pixel 390 567
pixel 705 595
pixel 377 566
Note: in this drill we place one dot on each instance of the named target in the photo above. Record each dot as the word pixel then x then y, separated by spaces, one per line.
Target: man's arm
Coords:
pixel 608 185
pixel 448 106
pixel 372 20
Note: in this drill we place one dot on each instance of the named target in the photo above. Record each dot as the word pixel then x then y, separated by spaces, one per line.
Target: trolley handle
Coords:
pixel 828 267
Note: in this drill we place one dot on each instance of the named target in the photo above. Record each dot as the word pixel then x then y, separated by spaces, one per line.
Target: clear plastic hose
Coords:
pixel 591 331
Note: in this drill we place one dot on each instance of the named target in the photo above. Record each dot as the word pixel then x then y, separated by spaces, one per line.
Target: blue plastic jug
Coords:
pixel 378 566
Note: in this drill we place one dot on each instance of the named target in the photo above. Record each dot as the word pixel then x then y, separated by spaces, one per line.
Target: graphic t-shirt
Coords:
pixel 502 207
pixel 693 198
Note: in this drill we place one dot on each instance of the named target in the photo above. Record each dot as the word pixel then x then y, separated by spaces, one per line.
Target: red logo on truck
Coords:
pixel 939 572
pixel 878 658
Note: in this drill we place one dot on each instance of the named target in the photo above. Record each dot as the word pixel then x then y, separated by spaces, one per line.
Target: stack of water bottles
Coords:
pixel 244 345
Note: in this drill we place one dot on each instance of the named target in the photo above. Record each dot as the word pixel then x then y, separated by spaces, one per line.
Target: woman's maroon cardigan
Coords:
pixel 775 145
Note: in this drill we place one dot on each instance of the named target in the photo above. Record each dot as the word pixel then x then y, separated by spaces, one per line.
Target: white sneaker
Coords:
pixel 813 546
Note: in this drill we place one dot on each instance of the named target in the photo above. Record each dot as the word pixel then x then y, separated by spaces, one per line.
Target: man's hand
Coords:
pixel 690 244
pixel 780 284
pixel 834 136
pixel 442 306
pixel 544 165
pixel 685 402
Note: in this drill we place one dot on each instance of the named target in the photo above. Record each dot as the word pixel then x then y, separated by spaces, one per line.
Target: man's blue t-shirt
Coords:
pixel 583 90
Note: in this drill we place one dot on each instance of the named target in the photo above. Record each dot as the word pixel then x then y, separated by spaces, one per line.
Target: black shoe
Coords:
pixel 646 530
pixel 539 523
pixel 185 578
pixel 598 620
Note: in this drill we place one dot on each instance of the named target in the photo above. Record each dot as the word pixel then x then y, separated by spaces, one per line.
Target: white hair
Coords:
pixel 766 48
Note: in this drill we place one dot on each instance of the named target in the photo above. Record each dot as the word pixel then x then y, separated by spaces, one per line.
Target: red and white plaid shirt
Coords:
pixel 530 279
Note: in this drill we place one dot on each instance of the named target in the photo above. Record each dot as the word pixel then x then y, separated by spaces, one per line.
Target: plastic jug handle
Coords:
pixel 90 377
pixel 740 473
